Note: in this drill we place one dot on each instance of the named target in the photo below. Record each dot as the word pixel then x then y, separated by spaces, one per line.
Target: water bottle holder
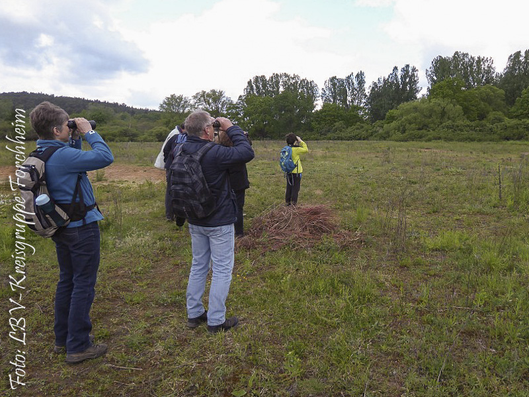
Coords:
pixel 43 218
pixel 47 220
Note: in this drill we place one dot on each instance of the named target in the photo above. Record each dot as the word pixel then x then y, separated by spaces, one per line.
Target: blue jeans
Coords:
pixel 78 255
pixel 215 245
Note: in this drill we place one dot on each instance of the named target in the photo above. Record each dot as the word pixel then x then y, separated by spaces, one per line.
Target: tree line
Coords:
pixel 466 99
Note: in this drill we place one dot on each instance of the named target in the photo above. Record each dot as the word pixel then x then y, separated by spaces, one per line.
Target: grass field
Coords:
pixel 430 299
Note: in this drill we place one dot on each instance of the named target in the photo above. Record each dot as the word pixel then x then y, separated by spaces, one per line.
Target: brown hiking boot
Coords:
pixel 93 351
pixel 62 349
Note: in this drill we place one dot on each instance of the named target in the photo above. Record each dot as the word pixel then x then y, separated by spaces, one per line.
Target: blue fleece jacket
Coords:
pixel 67 163
pixel 215 165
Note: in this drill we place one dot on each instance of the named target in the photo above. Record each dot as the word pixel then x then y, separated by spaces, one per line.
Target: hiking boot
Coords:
pixel 62 349
pixel 195 322
pixel 225 326
pixel 93 351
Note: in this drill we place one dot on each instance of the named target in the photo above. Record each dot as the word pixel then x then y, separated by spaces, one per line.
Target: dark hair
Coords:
pixel 291 138
pixel 45 117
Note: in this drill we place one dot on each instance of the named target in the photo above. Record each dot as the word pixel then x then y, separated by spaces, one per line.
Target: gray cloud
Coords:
pixel 88 51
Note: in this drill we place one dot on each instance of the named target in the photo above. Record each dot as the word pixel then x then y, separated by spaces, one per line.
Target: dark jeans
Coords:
pixel 78 255
pixel 239 223
pixel 293 186
pixel 168 206
pixel 169 215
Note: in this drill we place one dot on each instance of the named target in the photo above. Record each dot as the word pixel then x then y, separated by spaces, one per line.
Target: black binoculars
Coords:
pixel 73 126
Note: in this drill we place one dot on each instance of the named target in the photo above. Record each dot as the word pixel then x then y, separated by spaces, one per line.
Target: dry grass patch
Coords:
pixel 300 226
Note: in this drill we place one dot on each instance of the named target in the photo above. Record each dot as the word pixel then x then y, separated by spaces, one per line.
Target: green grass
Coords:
pixel 432 301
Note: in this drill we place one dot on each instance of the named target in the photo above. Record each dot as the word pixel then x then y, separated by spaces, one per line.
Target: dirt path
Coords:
pixel 114 172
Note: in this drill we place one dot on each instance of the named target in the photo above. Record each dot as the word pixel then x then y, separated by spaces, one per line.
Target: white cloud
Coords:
pixel 485 28
pixel 226 46
pixel 137 53
pixel 45 40
pixel 55 47
pixel 374 3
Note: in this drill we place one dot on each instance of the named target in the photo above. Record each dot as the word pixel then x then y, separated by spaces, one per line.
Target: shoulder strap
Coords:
pixel 205 148
pixel 202 151
pixel 198 154
pixel 45 154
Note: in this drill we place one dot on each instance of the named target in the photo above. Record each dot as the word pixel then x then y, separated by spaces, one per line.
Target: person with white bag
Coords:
pixel 163 161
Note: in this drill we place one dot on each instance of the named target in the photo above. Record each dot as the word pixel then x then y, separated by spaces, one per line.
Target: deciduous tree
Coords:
pixel 214 101
pixel 473 71
pixel 389 92
pixel 515 77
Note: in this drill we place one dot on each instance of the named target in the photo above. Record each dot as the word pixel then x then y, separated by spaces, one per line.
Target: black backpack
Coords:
pixel 32 184
pixel 190 193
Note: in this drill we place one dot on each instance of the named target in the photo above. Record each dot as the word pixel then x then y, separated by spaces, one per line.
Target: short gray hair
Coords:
pixel 196 122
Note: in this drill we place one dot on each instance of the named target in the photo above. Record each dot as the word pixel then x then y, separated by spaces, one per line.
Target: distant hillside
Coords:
pixel 28 100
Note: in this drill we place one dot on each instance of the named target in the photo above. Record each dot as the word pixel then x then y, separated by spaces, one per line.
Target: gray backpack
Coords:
pixel 32 184
pixel 47 220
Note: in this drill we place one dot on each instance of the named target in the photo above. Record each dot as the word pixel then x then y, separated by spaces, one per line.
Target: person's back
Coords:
pixel 212 237
pixel 239 183
pixel 294 178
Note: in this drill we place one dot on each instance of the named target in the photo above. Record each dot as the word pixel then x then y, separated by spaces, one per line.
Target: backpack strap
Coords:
pixel 201 152
pixel 205 148
pixel 291 148
pixel 70 209
pixel 44 156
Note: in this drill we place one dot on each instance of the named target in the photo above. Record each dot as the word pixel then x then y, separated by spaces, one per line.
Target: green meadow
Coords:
pixel 429 297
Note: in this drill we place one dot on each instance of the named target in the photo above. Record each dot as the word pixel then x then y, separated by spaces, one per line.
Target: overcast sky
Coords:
pixel 140 51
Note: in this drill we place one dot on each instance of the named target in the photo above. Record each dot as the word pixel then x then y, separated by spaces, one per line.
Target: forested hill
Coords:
pixel 28 100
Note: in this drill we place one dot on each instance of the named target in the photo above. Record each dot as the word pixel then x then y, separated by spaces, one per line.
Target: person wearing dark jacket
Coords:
pixel 239 183
pixel 213 237
pixel 168 158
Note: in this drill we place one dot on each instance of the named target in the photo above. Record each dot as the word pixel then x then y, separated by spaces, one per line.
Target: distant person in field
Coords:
pixel 77 245
pixel 294 179
pixel 239 183
pixel 213 237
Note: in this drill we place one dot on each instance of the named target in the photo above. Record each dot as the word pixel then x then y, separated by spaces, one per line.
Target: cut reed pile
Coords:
pixel 299 226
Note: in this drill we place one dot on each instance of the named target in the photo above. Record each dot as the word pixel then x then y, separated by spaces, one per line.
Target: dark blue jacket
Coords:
pixel 215 165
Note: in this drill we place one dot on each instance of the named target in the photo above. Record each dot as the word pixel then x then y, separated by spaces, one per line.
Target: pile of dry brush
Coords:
pixel 296 226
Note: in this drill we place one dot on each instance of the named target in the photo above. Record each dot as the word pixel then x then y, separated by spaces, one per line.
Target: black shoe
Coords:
pixel 93 351
pixel 195 322
pixel 225 326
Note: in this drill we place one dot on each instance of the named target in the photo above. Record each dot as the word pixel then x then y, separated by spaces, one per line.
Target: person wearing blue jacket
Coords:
pixel 213 237
pixel 77 245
